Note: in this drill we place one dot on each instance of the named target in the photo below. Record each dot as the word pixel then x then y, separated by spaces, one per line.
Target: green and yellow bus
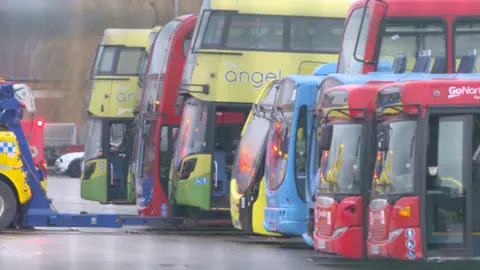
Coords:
pixel 238 47
pixel 113 97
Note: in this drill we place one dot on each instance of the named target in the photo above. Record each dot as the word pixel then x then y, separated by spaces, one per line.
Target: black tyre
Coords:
pixel 8 206
pixel 75 170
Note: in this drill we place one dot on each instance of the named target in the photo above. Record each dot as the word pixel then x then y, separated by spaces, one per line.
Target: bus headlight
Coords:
pixel 339 231
pixel 394 234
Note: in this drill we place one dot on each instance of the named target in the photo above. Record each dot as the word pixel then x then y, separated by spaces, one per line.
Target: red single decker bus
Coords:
pixel 425 197
pixel 344 167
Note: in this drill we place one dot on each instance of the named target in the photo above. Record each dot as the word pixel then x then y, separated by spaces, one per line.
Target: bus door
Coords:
pixel 120 150
pixel 94 169
pixel 447 197
pixel 167 147
pixel 108 150
pixel 227 138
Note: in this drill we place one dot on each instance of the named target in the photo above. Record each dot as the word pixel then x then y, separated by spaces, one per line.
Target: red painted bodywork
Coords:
pixel 349 212
pixel 166 110
pixel 384 220
pixel 448 10
pixel 439 92
pixel 446 92
pixel 34 132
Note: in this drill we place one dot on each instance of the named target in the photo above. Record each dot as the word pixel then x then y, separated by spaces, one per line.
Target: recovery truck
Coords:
pixel 23 200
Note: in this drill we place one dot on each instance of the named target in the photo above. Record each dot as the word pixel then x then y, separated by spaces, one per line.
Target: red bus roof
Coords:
pixel 417 8
pixel 436 92
pixel 184 17
pixel 354 96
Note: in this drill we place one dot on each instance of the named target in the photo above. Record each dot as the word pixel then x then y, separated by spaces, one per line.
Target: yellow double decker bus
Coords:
pixel 238 47
pixel 114 94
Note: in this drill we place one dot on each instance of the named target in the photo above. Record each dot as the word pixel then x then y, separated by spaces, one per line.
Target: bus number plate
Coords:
pixel 375 249
pixel 321 244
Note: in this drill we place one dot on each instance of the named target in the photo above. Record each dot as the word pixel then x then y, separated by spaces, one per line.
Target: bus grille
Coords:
pixel 378 234
pixel 323 229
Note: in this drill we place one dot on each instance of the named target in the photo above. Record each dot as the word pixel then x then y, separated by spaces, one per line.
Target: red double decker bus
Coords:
pixel 398 31
pixel 156 119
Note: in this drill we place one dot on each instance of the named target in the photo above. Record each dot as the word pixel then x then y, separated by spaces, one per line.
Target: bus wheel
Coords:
pixel 8 206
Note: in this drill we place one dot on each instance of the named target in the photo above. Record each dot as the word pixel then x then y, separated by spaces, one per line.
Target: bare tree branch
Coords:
pixel 62 45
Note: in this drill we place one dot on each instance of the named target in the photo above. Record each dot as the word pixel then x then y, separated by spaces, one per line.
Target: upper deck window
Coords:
pixel 119 61
pixel 466 38
pixel 320 35
pixel 255 32
pixel 107 57
pixel 233 31
pixel 410 37
pixel 161 46
pixel 352 33
pixel 130 61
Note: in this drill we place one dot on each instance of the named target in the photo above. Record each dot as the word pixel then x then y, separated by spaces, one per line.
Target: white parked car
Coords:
pixel 70 163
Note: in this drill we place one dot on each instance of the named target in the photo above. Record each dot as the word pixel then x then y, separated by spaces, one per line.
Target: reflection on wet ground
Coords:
pixel 136 248
pixel 72 250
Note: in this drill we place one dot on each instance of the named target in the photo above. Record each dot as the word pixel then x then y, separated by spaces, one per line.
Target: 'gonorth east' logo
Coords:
pixel 454 91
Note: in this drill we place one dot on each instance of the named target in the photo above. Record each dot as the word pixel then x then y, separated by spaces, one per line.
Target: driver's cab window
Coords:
pixel 277 155
pixel 93 144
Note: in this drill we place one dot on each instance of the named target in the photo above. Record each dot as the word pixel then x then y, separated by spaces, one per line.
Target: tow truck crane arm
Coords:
pixel 38 211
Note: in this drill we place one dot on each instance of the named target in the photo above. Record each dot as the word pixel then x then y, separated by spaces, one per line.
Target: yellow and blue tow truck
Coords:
pixel 23 198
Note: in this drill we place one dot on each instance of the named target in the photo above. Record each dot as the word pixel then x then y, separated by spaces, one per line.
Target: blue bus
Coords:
pixel 285 178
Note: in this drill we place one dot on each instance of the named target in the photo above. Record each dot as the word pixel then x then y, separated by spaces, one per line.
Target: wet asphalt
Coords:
pixel 137 248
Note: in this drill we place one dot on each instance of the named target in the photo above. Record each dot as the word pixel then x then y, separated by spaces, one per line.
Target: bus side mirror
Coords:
pixel 326 137
pixel 383 137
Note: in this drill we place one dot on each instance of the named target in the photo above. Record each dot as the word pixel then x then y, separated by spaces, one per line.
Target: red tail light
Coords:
pixel 39 123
